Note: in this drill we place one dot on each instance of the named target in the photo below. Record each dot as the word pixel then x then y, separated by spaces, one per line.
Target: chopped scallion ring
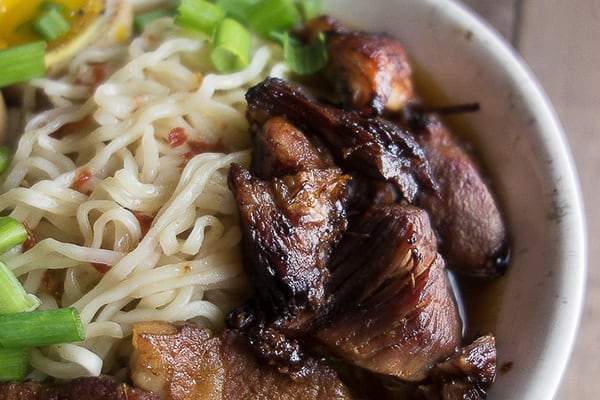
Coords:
pixel 40 328
pixel 51 5
pixel 308 8
pixel 12 233
pixel 21 63
pixel 13 298
pixel 231 46
pixel 237 9
pixel 51 25
pixel 267 16
pixel 14 364
pixel 200 15
pixel 303 59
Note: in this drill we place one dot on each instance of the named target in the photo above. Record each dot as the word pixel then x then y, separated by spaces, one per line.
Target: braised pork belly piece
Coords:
pixel 189 363
pixel 386 269
pixel 372 146
pixel 466 375
pixel 280 148
pixel 92 388
pixel 369 72
pixel 393 310
pixel 472 233
pixel 290 225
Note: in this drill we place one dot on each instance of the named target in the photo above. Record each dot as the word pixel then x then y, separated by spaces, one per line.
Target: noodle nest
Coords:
pixel 123 183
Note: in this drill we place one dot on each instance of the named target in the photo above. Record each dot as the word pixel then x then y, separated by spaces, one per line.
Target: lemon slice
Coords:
pixel 92 22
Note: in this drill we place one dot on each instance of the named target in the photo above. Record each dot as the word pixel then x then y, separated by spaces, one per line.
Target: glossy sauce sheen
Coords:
pixel 478 299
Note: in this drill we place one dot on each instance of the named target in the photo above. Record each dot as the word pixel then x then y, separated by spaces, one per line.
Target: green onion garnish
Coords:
pixel 41 328
pixel 51 25
pixel 12 233
pixel 13 298
pixel 231 46
pixel 4 158
pixel 199 15
pixel 303 59
pixel 21 63
pixel 267 16
pixel 308 8
pixel 13 364
pixel 237 9
pixel 51 5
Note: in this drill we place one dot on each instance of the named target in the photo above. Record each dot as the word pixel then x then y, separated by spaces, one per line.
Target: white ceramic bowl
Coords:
pixel 524 149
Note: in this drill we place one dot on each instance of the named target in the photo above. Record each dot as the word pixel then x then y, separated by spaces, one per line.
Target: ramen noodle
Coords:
pixel 123 184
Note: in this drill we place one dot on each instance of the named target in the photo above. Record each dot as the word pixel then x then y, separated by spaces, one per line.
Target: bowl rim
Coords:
pixel 568 316
pixel 567 308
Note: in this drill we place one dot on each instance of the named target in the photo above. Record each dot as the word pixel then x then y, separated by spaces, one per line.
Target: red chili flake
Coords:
pixel 185 158
pixel 84 176
pixel 199 147
pixel 145 222
pixel 52 282
pixel 31 240
pixel 71 128
pixel 98 73
pixel 102 268
pixel 176 137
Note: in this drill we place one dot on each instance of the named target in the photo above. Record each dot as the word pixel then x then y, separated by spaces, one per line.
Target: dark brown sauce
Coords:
pixel 479 303
pixel 479 300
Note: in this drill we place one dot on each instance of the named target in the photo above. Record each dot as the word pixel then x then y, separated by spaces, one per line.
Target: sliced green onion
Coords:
pixel 4 158
pixel 231 46
pixel 308 8
pixel 51 5
pixel 13 298
pixel 14 364
pixel 237 9
pixel 12 233
pixel 267 16
pixel 199 15
pixel 21 63
pixel 41 328
pixel 51 25
pixel 303 59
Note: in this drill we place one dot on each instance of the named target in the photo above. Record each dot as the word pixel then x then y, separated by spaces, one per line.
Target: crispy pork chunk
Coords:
pixel 465 214
pixel 92 388
pixel 188 363
pixel 280 148
pixel 386 269
pixel 465 375
pixel 290 225
pixel 372 146
pixel 369 72
pixel 393 310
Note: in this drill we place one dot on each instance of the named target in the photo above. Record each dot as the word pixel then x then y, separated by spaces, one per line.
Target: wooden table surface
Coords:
pixel 559 40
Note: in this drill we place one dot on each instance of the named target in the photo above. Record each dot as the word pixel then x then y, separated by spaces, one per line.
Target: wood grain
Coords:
pixel 559 40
